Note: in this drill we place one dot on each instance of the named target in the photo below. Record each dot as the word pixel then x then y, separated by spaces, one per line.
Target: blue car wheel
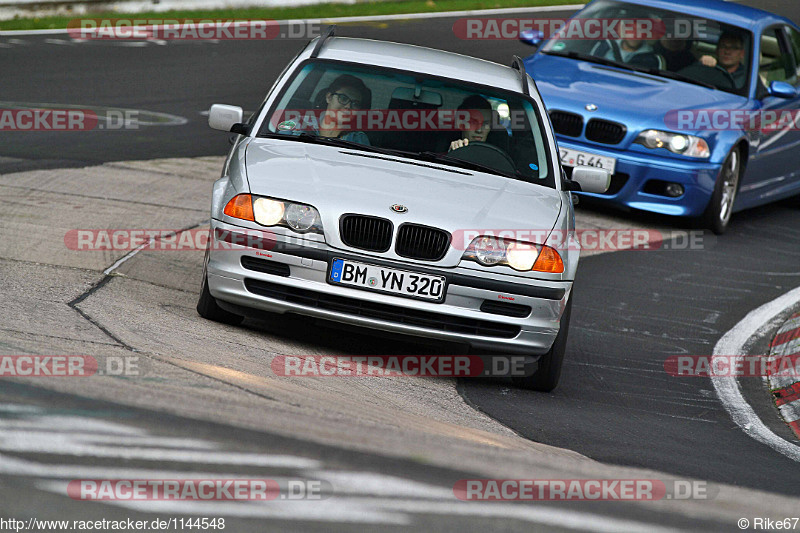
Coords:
pixel 718 213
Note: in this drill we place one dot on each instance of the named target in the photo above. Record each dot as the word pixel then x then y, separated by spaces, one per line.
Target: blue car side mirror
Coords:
pixel 531 37
pixel 781 89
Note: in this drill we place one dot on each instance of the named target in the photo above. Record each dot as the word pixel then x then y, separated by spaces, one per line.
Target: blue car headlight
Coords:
pixel 677 143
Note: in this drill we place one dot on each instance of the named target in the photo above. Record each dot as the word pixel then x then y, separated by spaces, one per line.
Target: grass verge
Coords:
pixel 328 10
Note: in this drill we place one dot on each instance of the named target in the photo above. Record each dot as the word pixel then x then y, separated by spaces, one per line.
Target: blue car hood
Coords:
pixel 638 100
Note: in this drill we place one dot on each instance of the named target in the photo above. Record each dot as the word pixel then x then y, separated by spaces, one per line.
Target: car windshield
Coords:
pixel 663 43
pixel 441 121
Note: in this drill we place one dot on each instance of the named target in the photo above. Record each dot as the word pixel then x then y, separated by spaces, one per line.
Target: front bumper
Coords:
pixel 634 170
pixel 292 278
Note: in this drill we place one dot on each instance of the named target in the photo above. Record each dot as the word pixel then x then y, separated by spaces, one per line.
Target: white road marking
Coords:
pixel 62 42
pixel 64 446
pixel 733 344
pixel 23 440
pixel 123 440
pixel 356 497
pixel 380 485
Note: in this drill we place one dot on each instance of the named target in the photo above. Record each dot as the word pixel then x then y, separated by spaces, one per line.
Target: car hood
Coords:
pixel 339 180
pixel 639 101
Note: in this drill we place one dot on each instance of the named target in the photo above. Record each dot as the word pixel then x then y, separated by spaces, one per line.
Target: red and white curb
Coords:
pixel 785 353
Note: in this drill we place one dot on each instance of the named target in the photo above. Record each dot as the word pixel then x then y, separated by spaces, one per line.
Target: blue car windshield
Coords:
pixel 413 115
pixel 663 43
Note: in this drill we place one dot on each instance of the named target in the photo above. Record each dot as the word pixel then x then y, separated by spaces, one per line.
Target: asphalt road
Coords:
pixel 181 78
pixel 632 310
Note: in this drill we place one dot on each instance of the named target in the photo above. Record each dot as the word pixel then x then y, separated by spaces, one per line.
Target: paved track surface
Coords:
pixel 616 403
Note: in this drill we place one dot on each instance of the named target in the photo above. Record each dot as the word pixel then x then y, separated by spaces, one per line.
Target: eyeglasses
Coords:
pixel 345 100
pixel 730 47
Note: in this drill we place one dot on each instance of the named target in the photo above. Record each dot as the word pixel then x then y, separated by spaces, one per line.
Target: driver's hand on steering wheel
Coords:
pixel 708 61
pixel 455 145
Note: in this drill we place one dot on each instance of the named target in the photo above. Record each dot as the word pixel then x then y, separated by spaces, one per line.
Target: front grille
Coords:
pixel 388 313
pixel 568 124
pixel 421 242
pixel 604 131
pixel 366 233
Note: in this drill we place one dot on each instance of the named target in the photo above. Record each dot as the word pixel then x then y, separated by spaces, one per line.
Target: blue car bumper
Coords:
pixel 637 176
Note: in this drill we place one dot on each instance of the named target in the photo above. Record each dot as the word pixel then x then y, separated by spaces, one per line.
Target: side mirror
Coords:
pixel 781 89
pixel 224 117
pixel 531 37
pixel 591 179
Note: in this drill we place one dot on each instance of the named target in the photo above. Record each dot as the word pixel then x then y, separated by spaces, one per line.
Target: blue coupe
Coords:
pixel 698 120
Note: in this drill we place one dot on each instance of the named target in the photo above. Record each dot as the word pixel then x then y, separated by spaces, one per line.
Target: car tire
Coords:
pixel 548 373
pixel 717 215
pixel 207 306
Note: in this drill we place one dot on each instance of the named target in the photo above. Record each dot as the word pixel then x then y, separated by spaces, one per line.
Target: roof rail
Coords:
pixel 519 66
pixel 322 38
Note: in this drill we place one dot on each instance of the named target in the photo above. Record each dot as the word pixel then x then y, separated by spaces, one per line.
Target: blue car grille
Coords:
pixel 569 124
pixel 605 131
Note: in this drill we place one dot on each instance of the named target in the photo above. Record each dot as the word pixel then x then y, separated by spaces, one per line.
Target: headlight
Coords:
pixel 676 143
pixel 301 217
pixel 488 251
pixel 271 212
pixel 267 211
pixel 522 256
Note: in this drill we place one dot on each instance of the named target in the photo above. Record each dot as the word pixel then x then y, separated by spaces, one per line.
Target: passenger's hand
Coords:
pixel 458 144
pixel 709 61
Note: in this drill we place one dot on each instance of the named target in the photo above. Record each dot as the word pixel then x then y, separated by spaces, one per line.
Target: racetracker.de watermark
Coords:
pixel 458 120
pixel 34 119
pixel 190 29
pixel 597 240
pixel 174 240
pixel 198 489
pixel 580 490
pixel 73 366
pixel 581 28
pixel 732 366
pixel 763 120
pixel 603 240
pixel 437 366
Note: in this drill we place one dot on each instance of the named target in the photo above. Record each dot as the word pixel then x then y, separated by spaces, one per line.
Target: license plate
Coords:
pixel 574 158
pixel 387 280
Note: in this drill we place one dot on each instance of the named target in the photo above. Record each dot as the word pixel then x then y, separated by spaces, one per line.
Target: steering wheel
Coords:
pixel 716 76
pixel 485 154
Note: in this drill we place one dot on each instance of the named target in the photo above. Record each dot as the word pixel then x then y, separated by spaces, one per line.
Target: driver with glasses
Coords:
pixel 345 94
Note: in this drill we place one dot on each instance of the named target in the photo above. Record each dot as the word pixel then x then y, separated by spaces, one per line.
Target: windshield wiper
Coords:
pixel 437 157
pixel 679 77
pixel 612 63
pixel 427 156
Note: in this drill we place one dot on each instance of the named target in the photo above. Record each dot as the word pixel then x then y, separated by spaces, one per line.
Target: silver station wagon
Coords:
pixel 402 189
